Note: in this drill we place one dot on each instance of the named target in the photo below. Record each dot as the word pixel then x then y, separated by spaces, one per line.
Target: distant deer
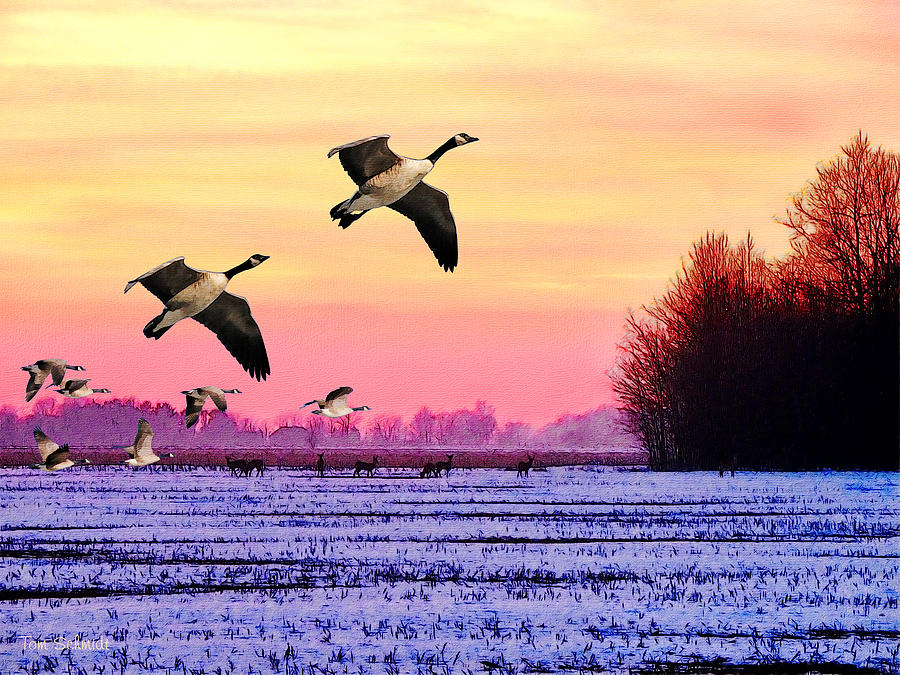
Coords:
pixel 733 464
pixel 257 465
pixel 525 467
pixel 368 467
pixel 427 470
pixel 320 465
pixel 236 465
pixel 443 466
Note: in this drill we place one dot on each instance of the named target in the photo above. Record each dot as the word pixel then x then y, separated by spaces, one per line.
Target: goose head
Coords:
pixel 463 138
pixel 232 391
pixel 256 259
pixel 75 367
pixel 101 391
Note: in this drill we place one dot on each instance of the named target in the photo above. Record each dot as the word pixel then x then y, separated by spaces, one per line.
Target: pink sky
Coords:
pixel 612 136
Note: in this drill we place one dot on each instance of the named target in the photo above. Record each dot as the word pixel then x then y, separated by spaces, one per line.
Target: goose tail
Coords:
pixel 151 330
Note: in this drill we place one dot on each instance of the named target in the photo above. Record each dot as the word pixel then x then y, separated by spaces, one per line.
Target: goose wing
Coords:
pixel 45 446
pixel 74 385
pixel 366 157
pixel 192 411
pixel 143 441
pixel 218 397
pixel 144 437
pixel 230 319
pixel 429 209
pixel 57 370
pixel 338 395
pixel 167 279
pixel 35 380
pixel 57 457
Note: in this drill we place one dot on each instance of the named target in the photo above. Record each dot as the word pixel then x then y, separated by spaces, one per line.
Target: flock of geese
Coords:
pixel 382 177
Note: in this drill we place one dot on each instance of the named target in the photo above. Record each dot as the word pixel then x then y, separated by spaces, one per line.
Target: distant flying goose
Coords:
pixel 387 179
pixel 197 397
pixel 54 457
pixel 41 369
pixel 141 450
pixel 335 404
pixel 201 295
pixel 79 389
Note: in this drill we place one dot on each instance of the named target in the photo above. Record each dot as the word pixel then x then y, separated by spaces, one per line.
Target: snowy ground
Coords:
pixel 570 570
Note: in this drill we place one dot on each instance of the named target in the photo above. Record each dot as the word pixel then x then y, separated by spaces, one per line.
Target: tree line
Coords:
pixel 786 364
pixel 88 423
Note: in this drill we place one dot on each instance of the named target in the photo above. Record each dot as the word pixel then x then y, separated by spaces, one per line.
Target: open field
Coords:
pixel 570 570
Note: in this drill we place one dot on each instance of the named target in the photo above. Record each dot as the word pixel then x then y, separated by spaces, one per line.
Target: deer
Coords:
pixel 525 467
pixel 427 470
pixel 320 465
pixel 236 465
pixel 443 466
pixel 257 465
pixel 368 467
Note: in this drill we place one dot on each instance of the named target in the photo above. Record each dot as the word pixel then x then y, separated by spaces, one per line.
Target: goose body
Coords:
pixel 78 389
pixel 141 450
pixel 39 370
pixel 335 404
pixel 197 397
pixel 53 457
pixel 201 295
pixel 387 179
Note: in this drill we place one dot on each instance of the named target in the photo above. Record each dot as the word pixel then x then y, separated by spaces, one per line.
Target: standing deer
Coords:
pixel 443 466
pixel 525 467
pixel 257 465
pixel 236 465
pixel 368 467
pixel 320 465
pixel 427 470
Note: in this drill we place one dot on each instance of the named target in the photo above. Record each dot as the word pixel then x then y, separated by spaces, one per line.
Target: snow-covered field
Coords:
pixel 569 570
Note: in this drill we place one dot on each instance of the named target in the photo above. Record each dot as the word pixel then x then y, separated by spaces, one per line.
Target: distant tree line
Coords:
pixel 87 423
pixel 788 364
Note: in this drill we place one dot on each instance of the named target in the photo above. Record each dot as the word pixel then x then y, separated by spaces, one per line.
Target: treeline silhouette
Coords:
pixel 788 364
pixel 87 423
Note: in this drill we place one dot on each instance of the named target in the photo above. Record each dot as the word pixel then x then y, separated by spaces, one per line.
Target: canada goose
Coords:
pixel 387 179
pixel 141 450
pixel 197 397
pixel 201 295
pixel 54 457
pixel 41 369
pixel 335 404
pixel 79 389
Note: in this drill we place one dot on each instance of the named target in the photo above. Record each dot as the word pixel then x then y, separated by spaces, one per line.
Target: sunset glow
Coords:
pixel 612 136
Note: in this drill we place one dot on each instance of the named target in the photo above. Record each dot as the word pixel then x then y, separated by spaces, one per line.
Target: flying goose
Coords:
pixel 387 179
pixel 41 369
pixel 197 397
pixel 141 450
pixel 335 404
pixel 201 295
pixel 78 389
pixel 54 457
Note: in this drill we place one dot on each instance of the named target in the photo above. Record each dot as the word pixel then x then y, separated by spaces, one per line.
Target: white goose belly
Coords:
pixel 389 186
pixel 194 299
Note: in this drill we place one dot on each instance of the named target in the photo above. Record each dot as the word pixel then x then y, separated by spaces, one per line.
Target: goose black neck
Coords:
pixel 246 265
pixel 437 154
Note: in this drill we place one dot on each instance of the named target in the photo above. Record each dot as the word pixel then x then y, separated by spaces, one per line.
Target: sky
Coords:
pixel 613 135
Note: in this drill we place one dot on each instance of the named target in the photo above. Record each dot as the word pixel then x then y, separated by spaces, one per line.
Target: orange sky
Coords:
pixel 612 136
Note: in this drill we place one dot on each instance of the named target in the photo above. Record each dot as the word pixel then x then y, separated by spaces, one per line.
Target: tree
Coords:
pixel 845 228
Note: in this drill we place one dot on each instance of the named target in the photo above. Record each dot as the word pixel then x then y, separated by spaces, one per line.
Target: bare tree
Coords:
pixel 845 227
